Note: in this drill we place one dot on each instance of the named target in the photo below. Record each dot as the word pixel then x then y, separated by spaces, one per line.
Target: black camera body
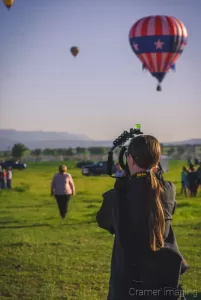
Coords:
pixel 121 143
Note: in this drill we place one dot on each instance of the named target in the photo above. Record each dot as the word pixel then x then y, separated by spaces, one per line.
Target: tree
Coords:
pixel 18 151
pixel 36 152
pixel 60 151
pixel 48 151
pixel 170 151
pixel 96 150
pixel 69 152
pixel 181 150
pixel 80 150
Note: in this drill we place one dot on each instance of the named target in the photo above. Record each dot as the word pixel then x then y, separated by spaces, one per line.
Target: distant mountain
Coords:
pixel 187 142
pixel 27 136
pixel 43 139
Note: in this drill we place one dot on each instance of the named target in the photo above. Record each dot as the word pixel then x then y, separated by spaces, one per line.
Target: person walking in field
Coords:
pixel 9 177
pixel 62 188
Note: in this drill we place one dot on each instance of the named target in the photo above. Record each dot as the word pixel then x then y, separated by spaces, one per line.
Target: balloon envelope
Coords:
pixel 158 41
pixel 74 51
pixel 8 3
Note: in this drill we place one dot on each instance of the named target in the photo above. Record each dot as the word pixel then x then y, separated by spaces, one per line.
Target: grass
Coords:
pixel 41 259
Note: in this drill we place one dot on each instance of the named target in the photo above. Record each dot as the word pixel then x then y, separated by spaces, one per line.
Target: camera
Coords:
pixel 122 142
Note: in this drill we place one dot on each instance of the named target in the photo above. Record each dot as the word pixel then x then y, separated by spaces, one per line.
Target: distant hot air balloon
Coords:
pixel 158 42
pixel 74 50
pixel 8 3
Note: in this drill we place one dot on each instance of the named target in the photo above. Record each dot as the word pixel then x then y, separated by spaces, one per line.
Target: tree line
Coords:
pixel 19 150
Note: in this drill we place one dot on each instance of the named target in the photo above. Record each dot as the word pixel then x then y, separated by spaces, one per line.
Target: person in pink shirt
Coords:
pixel 62 188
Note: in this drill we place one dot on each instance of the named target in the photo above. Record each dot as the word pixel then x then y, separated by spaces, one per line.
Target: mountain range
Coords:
pixel 47 139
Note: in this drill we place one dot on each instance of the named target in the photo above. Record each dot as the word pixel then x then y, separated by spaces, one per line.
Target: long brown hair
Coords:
pixel 145 151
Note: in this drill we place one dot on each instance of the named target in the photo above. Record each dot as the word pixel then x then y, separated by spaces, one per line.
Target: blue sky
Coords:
pixel 102 91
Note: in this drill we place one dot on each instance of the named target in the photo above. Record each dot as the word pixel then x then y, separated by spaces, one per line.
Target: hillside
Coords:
pixel 45 139
pixel 42 139
pixel 186 142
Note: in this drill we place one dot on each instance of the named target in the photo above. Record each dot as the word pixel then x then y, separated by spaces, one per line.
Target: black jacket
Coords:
pixel 108 218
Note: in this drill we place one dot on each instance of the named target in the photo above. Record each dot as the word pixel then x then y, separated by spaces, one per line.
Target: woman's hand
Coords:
pixel 124 174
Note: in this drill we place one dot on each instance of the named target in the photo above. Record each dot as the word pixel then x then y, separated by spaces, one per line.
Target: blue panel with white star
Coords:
pixel 158 44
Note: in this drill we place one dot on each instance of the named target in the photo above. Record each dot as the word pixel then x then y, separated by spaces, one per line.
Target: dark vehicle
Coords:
pixel 13 164
pixel 99 168
pixel 82 163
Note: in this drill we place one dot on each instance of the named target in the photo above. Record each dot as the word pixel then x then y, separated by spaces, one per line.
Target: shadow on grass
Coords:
pixel 24 226
pixel 92 201
pixel 19 244
pixel 79 223
pixel 180 205
pixel 92 214
pixel 187 225
pixel 22 188
pixel 43 205
pixel 93 206
pixel 9 222
pixel 176 182
pixel 44 225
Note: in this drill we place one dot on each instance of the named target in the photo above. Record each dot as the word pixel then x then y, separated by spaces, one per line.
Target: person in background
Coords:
pixel 196 161
pixel 189 163
pixel 184 182
pixel 199 175
pixel 1 177
pixel 4 181
pixel 9 176
pixel 119 171
pixel 193 181
pixel 62 188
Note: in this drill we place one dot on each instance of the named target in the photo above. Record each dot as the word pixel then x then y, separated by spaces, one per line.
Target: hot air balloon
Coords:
pixel 74 50
pixel 158 41
pixel 8 3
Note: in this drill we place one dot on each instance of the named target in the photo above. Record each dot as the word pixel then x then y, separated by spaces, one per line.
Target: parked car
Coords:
pixel 82 163
pixel 13 164
pixel 99 168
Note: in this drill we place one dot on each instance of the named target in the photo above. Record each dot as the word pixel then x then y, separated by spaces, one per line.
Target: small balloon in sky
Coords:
pixel 158 42
pixel 8 3
pixel 74 50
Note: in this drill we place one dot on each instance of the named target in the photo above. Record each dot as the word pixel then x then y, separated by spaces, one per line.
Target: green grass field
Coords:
pixel 42 259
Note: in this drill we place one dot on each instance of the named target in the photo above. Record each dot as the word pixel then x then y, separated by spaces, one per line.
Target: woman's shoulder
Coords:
pixel 168 194
pixel 169 186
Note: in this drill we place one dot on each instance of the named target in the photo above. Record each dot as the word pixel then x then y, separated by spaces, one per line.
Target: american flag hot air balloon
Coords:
pixel 158 41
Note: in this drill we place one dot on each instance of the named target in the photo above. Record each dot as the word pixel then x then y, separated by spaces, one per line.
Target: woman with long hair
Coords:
pixel 138 211
pixel 62 188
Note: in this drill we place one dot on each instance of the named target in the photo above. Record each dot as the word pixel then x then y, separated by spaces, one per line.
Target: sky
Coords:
pixel 102 91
